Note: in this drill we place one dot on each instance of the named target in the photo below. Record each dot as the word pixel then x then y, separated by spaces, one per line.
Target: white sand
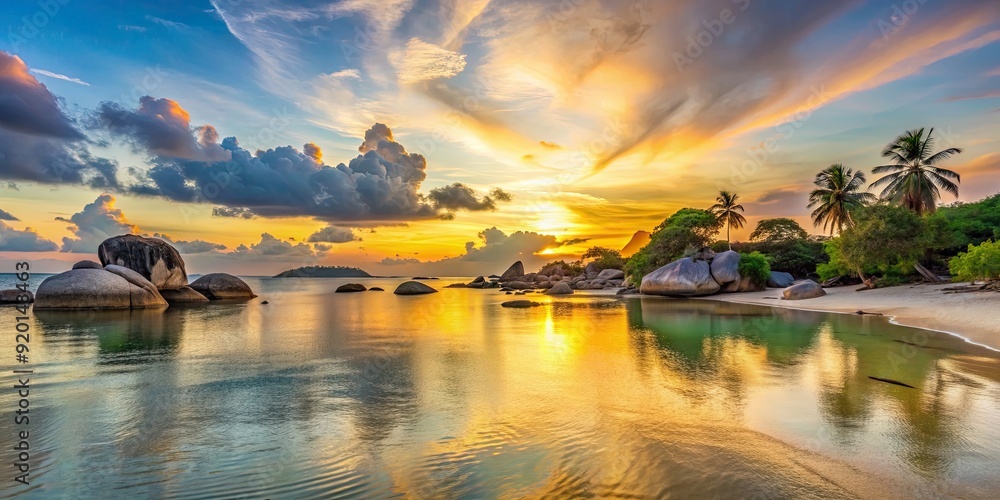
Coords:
pixel 974 316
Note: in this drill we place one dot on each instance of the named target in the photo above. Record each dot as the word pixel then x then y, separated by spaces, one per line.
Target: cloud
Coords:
pixel 381 185
pixel 422 61
pixel 161 127
pixel 167 23
pixel 13 240
pixel 12 185
pixel 990 94
pixel 987 163
pixel 234 212
pixel 398 261
pixel 58 76
pixel 4 215
pixel 38 142
pixel 97 222
pixel 190 247
pixel 333 234
pixel 271 247
pixel 783 201
pixel 461 197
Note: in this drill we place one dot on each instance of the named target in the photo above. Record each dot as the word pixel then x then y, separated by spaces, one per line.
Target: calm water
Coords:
pixel 451 396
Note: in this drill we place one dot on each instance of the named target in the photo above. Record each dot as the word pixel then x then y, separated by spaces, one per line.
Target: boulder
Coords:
pixel 741 285
pixel 520 304
pixel 611 274
pixel 87 264
pixel 153 258
pixel 779 279
pixel 413 288
pixel 627 291
pixel 222 286
pixel 516 270
pixel 15 296
pixel 681 278
pixel 560 289
pixel 480 279
pixel 725 267
pixel 185 295
pixel 806 289
pixel 520 285
pixel 463 285
pixel 98 289
pixel 351 288
pixel 376 289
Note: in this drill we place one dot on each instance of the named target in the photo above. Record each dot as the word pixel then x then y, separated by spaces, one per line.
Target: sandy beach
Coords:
pixel 973 316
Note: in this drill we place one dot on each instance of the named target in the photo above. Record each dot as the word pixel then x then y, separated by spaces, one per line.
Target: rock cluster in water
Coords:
pixel 135 272
pixel 555 283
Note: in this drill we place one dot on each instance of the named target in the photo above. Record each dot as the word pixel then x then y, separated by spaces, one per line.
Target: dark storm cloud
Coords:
pixel 38 142
pixel 161 127
pixel 333 234
pixel 380 185
pixel 4 215
pixel 234 212
pixel 461 197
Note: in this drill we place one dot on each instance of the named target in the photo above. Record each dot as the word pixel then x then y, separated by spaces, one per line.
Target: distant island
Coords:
pixel 324 272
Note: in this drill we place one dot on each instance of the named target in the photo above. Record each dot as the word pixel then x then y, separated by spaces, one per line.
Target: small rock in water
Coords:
pixel 351 288
pixel 520 304
pixel 376 289
pixel 265 302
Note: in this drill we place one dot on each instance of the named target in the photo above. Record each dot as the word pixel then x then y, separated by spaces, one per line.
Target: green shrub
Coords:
pixel 605 258
pixel 562 268
pixel 980 262
pixel 688 229
pixel 779 229
pixel 755 266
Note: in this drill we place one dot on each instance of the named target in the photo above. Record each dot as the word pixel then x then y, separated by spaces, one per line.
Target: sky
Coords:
pixel 454 137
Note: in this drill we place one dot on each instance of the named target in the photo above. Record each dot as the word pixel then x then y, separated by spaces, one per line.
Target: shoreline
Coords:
pixel 968 316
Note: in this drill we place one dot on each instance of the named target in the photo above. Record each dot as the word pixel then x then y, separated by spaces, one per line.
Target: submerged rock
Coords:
pixel 413 288
pixel 117 288
pixel 520 304
pixel 351 288
pixel 222 286
pixel 152 258
pixel 681 278
pixel 15 296
pixel 779 279
pixel 807 289
pixel 376 289
pixel 185 295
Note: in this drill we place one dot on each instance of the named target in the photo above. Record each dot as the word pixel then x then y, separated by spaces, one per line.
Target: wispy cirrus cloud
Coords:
pixel 58 76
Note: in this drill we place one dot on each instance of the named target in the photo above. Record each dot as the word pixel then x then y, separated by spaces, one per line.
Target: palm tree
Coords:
pixel 727 210
pixel 913 179
pixel 839 192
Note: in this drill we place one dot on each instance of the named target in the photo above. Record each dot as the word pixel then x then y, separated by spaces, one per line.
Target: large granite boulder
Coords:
pixel 725 267
pixel 87 264
pixel 15 297
pixel 807 289
pixel 681 278
pixel 516 270
pixel 183 295
pixel 413 288
pixel 153 258
pixel 611 274
pixel 741 285
pixel 561 288
pixel 351 288
pixel 779 279
pixel 222 286
pixel 117 288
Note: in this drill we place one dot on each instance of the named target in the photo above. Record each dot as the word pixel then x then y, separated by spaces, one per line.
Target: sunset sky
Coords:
pixel 532 129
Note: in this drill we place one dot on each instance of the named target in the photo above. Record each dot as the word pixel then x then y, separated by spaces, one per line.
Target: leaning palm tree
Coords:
pixel 838 193
pixel 914 180
pixel 727 210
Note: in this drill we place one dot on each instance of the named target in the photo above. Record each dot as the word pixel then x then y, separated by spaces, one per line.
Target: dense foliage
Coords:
pixel 562 268
pixel 689 228
pixel 779 229
pixel 754 265
pixel 980 262
pixel 604 258
pixel 962 224
pixel 884 238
